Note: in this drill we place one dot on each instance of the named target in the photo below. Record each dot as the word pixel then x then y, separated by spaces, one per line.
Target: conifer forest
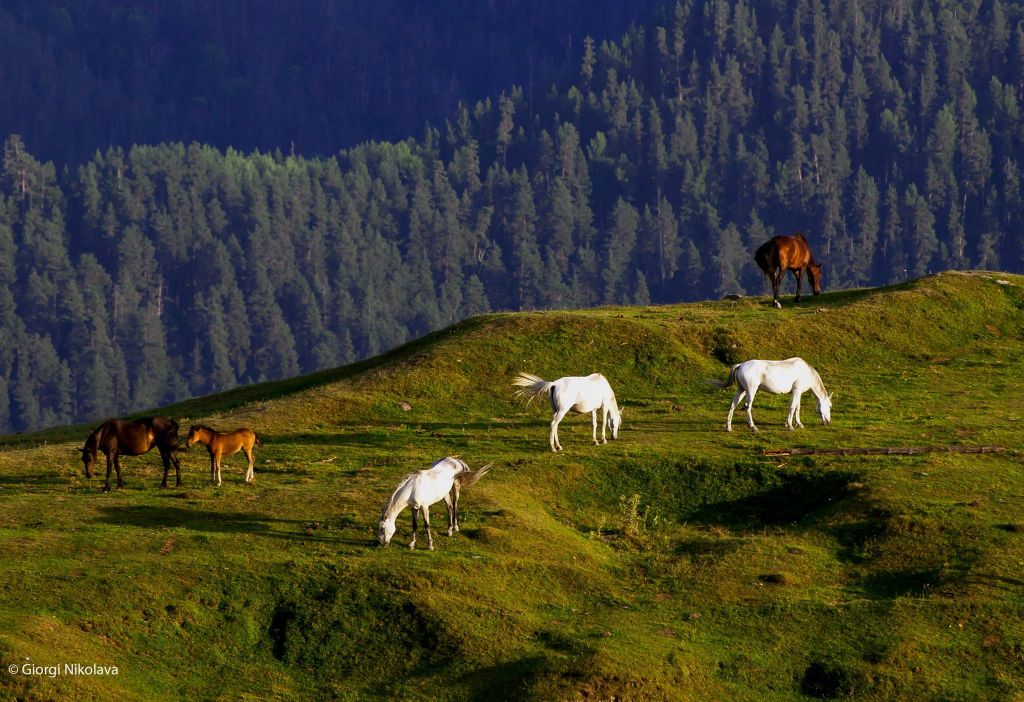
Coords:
pixel 285 196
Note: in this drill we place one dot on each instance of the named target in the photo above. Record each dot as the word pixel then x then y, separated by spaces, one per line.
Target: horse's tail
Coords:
pixel 470 477
pixel 531 386
pixel 728 381
pixel 257 438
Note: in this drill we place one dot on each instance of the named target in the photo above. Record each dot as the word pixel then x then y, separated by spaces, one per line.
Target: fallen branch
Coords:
pixel 882 451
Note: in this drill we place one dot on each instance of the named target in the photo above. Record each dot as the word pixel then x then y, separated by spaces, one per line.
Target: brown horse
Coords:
pixel 224 444
pixel 124 437
pixel 788 253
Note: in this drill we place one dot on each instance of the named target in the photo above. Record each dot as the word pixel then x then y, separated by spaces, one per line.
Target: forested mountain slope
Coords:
pixel 891 134
pixel 84 76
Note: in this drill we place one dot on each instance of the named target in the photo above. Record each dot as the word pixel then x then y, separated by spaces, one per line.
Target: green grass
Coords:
pixel 678 562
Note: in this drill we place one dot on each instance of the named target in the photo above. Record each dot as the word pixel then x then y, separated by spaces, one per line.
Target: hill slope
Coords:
pixel 676 562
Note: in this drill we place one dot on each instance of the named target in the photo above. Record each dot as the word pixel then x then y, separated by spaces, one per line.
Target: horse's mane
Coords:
pixel 92 442
pixel 205 427
pixel 817 380
pixel 615 404
pixel 394 496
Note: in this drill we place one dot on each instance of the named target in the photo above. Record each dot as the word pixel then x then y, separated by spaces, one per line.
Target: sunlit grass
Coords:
pixel 676 562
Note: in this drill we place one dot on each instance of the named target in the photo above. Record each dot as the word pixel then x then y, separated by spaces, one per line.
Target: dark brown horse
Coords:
pixel 788 253
pixel 221 444
pixel 124 437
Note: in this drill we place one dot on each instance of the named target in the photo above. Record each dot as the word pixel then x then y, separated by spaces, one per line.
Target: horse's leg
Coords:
pixel 250 474
pixel 117 469
pixel 177 469
pixel 556 445
pixel 449 503
pixel 799 397
pixel 219 481
pixel 793 404
pixel 165 457
pixel 750 407
pixel 455 505
pixel 213 468
pixel 604 423
pixel 412 544
pixel 732 408
pixel 776 277
pixel 593 422
pixel 799 275
pixel 426 523
pixel 110 465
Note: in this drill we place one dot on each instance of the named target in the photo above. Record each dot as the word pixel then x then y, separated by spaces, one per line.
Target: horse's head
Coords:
pixel 825 409
pixel 192 435
pixel 614 422
pixel 385 531
pixel 814 273
pixel 89 460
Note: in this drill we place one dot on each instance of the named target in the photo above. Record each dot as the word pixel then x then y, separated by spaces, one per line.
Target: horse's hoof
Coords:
pixel 450 532
pixel 728 428
pixel 431 547
pixel 412 545
pixel 754 429
pixel 777 305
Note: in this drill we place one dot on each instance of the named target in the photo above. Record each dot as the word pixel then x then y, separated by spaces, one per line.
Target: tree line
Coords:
pixel 890 133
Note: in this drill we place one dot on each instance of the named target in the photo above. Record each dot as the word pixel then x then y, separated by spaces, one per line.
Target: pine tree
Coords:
pixel 921 223
pixel 618 252
pixel 865 225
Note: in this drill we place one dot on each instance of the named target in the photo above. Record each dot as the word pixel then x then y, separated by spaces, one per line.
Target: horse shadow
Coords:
pixel 147 517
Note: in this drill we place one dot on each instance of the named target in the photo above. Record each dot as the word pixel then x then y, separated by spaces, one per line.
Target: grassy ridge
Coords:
pixel 676 562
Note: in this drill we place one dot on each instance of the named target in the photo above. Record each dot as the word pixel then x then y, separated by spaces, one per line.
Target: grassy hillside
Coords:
pixel 678 562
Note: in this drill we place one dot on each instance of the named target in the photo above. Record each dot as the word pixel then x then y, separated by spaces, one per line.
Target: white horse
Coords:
pixel 419 490
pixel 574 392
pixel 792 375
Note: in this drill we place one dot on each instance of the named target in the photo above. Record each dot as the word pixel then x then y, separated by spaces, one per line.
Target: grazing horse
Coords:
pixel 221 444
pixel 587 394
pixel 788 253
pixel 792 375
pixel 124 437
pixel 442 481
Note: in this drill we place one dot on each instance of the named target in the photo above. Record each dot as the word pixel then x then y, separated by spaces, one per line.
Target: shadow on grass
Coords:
pixel 899 555
pixel 34 482
pixel 904 582
pixel 228 523
pixel 512 680
pixel 791 499
pixel 707 549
